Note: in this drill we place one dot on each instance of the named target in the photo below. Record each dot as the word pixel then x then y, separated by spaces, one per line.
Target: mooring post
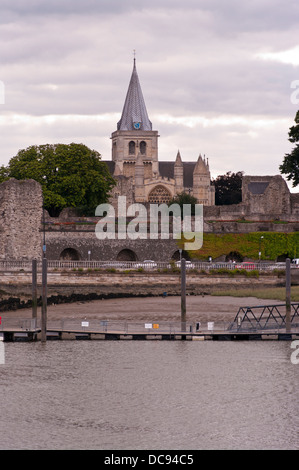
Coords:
pixel 34 291
pixel 44 301
pixel 183 294
pixel 288 295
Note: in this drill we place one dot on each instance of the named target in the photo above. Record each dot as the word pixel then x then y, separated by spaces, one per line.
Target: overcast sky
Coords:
pixel 216 76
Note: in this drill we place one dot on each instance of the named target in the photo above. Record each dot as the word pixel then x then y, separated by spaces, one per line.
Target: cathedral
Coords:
pixel 135 165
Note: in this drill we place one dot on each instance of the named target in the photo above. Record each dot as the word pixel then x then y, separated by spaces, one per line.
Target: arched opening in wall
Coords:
pixel 176 256
pixel 142 147
pixel 159 195
pixel 282 258
pixel 234 256
pixel 132 148
pixel 69 254
pixel 126 255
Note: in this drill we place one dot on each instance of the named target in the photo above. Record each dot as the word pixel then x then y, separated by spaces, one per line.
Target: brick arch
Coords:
pixel 176 255
pixel 69 254
pixel 234 256
pixel 126 255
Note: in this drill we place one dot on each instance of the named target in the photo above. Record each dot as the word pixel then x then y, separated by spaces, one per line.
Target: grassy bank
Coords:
pixel 275 293
pixel 271 244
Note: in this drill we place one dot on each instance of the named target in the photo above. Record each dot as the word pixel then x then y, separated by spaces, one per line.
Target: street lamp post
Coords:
pixel 44 285
pixel 183 294
pixel 260 253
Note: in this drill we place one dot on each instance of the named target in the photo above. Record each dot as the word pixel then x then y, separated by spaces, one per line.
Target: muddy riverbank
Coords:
pixel 199 308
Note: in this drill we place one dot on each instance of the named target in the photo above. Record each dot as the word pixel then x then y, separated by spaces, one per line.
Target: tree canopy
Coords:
pixel 228 188
pixel 184 198
pixel 290 165
pixel 70 175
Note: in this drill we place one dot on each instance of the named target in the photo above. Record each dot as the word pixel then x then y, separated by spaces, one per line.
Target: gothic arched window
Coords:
pixel 159 195
pixel 132 148
pixel 143 147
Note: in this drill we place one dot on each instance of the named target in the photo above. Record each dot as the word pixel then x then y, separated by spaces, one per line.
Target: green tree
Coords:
pixel 70 175
pixel 184 198
pixel 228 188
pixel 290 165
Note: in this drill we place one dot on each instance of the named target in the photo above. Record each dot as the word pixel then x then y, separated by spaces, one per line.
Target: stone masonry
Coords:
pixel 21 208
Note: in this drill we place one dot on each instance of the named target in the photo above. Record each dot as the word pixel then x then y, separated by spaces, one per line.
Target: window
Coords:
pixel 159 195
pixel 132 148
pixel 143 147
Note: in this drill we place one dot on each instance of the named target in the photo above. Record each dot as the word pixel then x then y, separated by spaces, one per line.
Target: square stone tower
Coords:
pixel 21 209
pixel 134 137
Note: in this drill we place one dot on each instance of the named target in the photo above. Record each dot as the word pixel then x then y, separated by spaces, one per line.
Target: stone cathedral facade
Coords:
pixel 135 164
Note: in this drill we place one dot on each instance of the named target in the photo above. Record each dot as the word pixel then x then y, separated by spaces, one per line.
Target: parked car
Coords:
pixel 189 265
pixel 147 264
pixel 246 265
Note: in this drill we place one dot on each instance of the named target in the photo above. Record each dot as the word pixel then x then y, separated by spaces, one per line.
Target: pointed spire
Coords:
pixel 178 160
pixel 200 166
pixel 134 115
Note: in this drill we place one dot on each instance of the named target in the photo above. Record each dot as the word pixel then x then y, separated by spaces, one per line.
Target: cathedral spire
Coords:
pixel 178 160
pixel 134 114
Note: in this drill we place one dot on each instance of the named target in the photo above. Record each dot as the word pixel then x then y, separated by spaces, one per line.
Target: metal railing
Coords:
pixel 19 324
pixel 266 317
pixel 26 265
pixel 150 328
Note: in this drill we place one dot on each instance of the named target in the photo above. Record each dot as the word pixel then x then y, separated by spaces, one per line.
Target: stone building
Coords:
pixel 135 165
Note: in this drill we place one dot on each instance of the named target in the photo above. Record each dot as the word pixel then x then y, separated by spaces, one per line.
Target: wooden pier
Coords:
pixel 95 329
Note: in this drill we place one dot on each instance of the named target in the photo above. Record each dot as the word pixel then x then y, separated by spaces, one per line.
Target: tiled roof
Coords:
pixel 134 110
pixel 166 170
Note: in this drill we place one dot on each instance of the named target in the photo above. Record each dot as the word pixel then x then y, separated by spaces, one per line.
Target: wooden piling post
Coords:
pixel 34 290
pixel 44 301
pixel 288 295
pixel 183 294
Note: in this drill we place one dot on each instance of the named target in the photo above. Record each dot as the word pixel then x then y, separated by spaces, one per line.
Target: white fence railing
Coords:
pixel 25 265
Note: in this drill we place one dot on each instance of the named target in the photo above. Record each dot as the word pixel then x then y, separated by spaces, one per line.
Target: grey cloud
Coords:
pixel 195 57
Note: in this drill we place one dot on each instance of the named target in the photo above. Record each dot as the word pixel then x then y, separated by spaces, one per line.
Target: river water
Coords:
pixel 149 395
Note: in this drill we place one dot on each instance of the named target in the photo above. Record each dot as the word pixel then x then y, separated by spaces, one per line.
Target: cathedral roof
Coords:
pixel 166 170
pixel 134 110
